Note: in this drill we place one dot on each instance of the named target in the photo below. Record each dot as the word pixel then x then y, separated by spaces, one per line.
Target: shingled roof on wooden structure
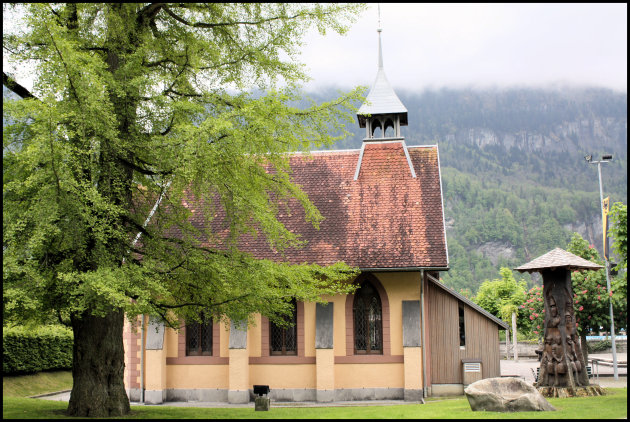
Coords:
pixel 558 258
pixel 385 219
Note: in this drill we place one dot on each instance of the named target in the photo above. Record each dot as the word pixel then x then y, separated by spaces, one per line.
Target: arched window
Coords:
pixel 199 337
pixel 368 316
pixel 376 129
pixel 283 340
pixel 389 129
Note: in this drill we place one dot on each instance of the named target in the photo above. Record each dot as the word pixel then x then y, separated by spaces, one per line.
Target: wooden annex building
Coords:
pixel 402 335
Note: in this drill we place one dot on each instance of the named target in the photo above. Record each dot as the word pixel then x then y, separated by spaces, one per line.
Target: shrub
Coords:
pixel 599 346
pixel 33 350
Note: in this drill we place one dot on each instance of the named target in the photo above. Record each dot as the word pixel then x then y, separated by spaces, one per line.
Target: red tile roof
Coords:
pixel 384 219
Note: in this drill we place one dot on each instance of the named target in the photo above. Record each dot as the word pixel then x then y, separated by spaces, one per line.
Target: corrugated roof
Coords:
pixel 558 258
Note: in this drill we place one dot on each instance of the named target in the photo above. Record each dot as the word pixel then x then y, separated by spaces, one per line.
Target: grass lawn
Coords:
pixel 613 405
pixel 39 383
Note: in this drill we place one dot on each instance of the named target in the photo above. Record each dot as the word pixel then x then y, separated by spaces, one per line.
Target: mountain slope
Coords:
pixel 515 181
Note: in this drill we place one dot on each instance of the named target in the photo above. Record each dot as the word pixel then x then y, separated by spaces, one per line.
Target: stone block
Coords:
pixel 154 396
pixel 413 395
pixel 238 396
pixel 324 326
pixel 411 323
pixel 505 395
pixel 155 334
pixel 262 403
pixel 325 396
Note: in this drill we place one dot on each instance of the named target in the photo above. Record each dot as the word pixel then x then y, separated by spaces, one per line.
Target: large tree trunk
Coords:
pixel 98 388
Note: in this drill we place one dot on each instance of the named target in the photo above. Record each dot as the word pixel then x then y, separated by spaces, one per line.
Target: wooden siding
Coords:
pixel 482 339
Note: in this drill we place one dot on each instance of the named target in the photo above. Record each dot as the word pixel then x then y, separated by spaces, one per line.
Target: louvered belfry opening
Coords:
pixel 283 340
pixel 368 320
pixel 382 108
pixel 199 338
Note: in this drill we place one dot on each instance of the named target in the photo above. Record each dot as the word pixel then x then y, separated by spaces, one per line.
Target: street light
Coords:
pixel 605 159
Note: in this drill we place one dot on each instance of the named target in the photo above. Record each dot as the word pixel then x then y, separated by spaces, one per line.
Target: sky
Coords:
pixel 478 46
pixel 472 45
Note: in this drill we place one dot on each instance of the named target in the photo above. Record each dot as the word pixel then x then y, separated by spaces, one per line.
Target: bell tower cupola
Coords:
pixel 383 113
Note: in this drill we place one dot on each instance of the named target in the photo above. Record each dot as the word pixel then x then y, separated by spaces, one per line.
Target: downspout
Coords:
pixel 135 240
pixel 142 361
pixel 424 341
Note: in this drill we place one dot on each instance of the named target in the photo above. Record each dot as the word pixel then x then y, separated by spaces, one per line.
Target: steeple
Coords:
pixel 382 108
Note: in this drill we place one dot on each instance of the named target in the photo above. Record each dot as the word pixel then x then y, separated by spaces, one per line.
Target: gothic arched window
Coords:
pixel 283 340
pixel 199 338
pixel 368 316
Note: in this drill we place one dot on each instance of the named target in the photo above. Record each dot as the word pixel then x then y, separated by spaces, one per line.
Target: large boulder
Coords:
pixel 505 395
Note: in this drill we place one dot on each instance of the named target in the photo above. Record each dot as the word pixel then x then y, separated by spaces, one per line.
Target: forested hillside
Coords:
pixel 515 180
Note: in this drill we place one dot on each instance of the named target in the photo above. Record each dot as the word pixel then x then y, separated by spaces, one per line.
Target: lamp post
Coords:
pixel 605 159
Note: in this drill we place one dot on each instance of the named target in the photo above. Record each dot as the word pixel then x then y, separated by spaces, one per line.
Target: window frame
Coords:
pixel 461 325
pixel 198 326
pixel 366 309
pixel 283 331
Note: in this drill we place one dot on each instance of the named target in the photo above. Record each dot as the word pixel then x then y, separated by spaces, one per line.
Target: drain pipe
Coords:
pixel 424 341
pixel 135 240
pixel 142 362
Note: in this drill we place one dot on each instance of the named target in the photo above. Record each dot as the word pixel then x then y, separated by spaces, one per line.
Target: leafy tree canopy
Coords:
pixel 130 98
pixel 591 297
pixel 501 297
pixel 135 103
pixel 618 230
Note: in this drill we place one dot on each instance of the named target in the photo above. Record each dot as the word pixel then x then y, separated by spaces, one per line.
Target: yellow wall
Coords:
pixel 283 376
pixel 398 285
pixel 254 334
pixel 375 375
pixel 171 340
pixel 413 368
pixel 156 370
pixel 239 370
pixel 309 329
pixel 197 376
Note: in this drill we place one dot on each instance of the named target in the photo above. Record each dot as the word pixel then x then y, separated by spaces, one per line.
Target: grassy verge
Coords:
pixel 35 384
pixel 612 406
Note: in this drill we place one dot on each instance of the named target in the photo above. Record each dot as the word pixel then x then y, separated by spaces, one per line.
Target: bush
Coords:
pixel 599 346
pixel 27 351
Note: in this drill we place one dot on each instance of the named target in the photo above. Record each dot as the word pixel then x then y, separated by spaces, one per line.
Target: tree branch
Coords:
pixel 149 12
pixel 142 170
pixel 15 87
pixel 203 305
pixel 219 24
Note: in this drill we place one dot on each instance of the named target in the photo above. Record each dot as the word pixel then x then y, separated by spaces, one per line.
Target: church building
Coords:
pixel 402 335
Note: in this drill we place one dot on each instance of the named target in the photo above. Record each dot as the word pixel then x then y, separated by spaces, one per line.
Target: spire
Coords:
pixel 382 107
pixel 379 30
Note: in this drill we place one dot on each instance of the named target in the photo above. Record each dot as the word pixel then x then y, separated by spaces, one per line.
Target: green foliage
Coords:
pixel 591 298
pixel 618 230
pixel 533 308
pixel 501 297
pixel 34 350
pixel 599 346
pixel 135 102
pixel 507 194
